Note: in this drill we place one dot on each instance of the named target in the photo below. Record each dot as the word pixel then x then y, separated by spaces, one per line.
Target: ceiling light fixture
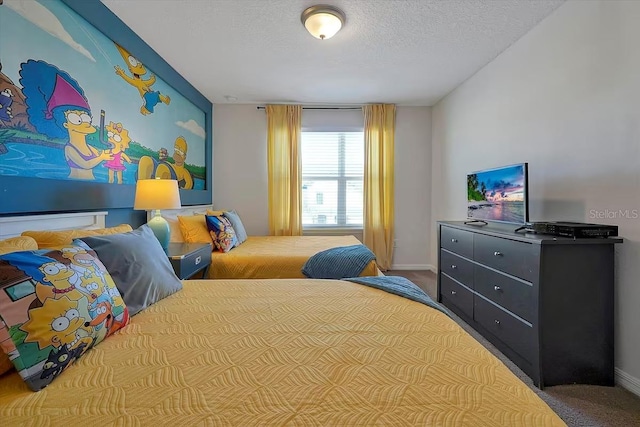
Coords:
pixel 322 21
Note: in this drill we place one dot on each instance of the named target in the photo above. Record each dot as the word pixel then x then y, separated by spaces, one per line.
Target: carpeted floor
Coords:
pixel 577 405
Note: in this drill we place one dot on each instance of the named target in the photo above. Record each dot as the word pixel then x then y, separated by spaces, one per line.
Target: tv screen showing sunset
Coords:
pixel 498 194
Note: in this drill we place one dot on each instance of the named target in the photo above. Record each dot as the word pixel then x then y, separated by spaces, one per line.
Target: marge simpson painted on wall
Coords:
pixel 74 105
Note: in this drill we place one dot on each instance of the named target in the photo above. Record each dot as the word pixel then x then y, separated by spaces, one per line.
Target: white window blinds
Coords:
pixel 332 171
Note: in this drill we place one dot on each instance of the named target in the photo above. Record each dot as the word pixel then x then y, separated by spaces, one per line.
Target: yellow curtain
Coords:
pixel 285 181
pixel 379 130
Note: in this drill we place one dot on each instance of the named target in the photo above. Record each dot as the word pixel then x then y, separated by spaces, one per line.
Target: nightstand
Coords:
pixel 187 259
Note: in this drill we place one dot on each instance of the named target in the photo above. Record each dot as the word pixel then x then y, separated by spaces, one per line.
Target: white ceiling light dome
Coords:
pixel 323 21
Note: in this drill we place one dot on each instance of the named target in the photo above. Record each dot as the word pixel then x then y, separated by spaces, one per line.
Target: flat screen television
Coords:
pixel 498 194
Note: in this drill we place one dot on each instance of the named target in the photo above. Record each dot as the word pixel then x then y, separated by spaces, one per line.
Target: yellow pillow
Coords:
pixel 194 229
pixel 14 244
pixel 50 239
pixel 215 213
pixel 17 244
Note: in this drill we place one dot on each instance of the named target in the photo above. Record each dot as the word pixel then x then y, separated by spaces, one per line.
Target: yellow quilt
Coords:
pixel 282 352
pixel 276 257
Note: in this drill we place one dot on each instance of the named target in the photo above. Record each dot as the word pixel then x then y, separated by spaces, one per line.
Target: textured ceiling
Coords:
pixel 408 52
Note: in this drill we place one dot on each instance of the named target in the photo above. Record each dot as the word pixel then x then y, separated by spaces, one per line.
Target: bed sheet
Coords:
pixel 276 257
pixel 282 352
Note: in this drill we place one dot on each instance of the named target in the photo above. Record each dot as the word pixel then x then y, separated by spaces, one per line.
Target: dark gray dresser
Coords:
pixel 546 302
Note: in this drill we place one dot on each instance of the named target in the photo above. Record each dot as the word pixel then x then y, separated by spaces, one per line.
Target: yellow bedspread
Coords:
pixel 276 257
pixel 282 352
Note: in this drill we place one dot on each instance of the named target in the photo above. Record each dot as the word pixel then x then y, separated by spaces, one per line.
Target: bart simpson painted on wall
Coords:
pixel 150 97
pixel 84 108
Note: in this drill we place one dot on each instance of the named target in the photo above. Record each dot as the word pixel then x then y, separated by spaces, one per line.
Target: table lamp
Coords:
pixel 157 194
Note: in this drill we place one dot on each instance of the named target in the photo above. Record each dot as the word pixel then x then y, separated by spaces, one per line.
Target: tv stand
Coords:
pixel 476 222
pixel 546 302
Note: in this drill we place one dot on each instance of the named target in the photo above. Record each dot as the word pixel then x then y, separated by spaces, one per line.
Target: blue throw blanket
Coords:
pixel 401 286
pixel 337 263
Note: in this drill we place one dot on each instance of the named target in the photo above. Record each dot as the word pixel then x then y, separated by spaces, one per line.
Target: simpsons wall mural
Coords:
pixel 75 105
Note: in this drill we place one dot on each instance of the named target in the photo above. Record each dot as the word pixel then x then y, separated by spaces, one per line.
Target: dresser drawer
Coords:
pixel 517 258
pixel 516 334
pixel 453 293
pixel 457 267
pixel 505 291
pixel 458 241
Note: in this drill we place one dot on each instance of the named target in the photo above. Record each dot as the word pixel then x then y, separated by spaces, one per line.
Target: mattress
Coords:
pixel 282 352
pixel 276 257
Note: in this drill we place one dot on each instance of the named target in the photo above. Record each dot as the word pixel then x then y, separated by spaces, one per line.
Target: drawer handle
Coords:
pixel 198 260
pixel 453 266
pixel 497 321
pixel 497 253
pixel 497 288
pixel 454 240
pixel 453 292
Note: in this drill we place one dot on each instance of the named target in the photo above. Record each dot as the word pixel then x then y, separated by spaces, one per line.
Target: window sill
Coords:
pixel 328 231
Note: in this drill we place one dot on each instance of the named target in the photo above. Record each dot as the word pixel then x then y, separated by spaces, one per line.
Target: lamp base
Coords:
pixel 160 228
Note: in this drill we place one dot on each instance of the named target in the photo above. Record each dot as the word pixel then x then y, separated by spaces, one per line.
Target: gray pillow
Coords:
pixel 139 266
pixel 234 218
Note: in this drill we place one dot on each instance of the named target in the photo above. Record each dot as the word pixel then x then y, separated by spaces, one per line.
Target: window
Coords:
pixel 332 171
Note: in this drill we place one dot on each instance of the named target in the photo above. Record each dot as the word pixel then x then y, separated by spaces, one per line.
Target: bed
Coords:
pixel 261 257
pixel 277 352
pixel 282 352
pixel 276 257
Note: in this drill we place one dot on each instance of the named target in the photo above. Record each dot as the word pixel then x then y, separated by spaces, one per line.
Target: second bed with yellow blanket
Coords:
pixel 276 257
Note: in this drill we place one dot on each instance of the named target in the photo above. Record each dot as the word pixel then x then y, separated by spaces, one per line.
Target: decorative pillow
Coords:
pixel 56 304
pixel 222 232
pixel 13 244
pixel 194 229
pixel 17 244
pixel 215 213
pixel 5 363
pixel 139 266
pixel 52 239
pixel 234 218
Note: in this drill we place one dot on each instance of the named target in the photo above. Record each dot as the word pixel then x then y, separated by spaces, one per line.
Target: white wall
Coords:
pixel 240 170
pixel 412 188
pixel 240 164
pixel 564 98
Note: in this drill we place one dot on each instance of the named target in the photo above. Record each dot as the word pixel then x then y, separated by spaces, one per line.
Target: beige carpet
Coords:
pixel 577 405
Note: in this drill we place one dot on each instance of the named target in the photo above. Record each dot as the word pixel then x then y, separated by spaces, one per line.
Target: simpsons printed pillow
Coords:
pixel 55 304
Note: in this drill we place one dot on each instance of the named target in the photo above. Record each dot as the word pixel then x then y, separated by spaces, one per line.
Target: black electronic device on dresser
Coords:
pixel 546 302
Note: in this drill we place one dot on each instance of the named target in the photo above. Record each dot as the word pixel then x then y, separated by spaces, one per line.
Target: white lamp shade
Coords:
pixel 154 194
pixel 322 22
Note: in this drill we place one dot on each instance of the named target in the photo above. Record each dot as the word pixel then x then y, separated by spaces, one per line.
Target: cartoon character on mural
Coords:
pixel 56 75
pixel 119 140
pixel 151 168
pixel 6 99
pixel 58 108
pixel 150 97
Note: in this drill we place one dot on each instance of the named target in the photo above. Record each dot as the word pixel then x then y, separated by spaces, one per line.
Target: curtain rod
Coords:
pixel 322 108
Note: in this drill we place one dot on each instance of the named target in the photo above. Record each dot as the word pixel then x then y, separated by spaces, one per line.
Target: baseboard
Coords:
pixel 413 267
pixel 627 381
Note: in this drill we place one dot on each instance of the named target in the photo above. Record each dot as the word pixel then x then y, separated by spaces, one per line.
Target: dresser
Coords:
pixel 545 302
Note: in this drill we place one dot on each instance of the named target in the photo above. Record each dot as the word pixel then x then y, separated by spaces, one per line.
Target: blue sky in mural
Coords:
pixel 90 58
